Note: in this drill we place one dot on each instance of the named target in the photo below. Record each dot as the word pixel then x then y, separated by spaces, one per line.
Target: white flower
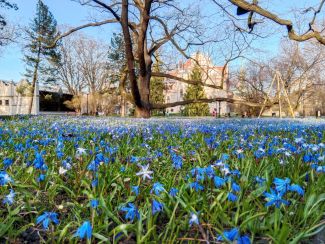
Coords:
pixel 62 170
pixel 81 151
pixel 144 172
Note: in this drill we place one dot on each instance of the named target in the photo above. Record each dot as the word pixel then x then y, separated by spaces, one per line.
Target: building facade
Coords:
pixel 211 74
pixel 13 102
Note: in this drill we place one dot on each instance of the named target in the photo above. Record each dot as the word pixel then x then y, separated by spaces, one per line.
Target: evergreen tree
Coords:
pixel 41 60
pixel 195 92
pixel 157 87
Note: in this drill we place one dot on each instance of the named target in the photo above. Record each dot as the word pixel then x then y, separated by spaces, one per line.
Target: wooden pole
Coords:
pixel 288 99
pixel 279 95
pixel 267 96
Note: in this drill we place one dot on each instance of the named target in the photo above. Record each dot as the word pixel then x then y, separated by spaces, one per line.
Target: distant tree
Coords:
pixel 8 5
pixel 117 68
pixel 116 57
pixel 41 60
pixel 194 92
pixel 157 87
pixel 7 32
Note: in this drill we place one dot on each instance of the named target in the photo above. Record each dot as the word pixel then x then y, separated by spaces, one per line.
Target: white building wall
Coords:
pixel 12 102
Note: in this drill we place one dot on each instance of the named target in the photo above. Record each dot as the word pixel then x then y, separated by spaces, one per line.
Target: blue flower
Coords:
pixel 232 197
pixel 157 188
pixel 235 187
pixel 94 182
pixel 173 192
pixel 5 178
pixel 297 189
pixel 282 185
pixel 85 230
pixel 194 219
pixel 7 162
pixel 218 181
pixel 260 180
pixel 46 218
pixel 243 240
pixel 94 203
pixel 41 178
pixel 10 197
pixel 131 212
pixel 275 198
pixel 157 207
pixel 231 235
pixel 135 190
pixel 196 186
pixel 177 161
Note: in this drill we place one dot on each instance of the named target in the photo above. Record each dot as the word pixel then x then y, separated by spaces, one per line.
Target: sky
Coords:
pixel 66 12
pixel 71 13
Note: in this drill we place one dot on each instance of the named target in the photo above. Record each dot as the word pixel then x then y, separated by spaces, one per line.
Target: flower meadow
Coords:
pixel 109 180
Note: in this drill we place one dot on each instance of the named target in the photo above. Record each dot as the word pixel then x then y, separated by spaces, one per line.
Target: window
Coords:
pixel 0 102
pixel 172 110
pixel 7 102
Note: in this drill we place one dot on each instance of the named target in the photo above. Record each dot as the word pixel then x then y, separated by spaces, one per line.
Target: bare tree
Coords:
pixel 147 25
pixel 69 71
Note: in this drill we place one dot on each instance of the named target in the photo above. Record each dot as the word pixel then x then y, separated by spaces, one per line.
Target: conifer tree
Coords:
pixel 195 92
pixel 40 60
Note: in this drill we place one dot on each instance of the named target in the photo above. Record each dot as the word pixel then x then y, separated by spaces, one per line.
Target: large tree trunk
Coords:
pixel 142 112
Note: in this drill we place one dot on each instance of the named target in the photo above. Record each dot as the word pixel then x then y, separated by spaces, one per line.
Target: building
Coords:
pixel 211 74
pixel 15 99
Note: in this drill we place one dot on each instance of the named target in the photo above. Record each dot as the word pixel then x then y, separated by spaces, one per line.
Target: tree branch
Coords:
pixel 93 24
pixel 191 82
pixel 207 100
pixel 291 33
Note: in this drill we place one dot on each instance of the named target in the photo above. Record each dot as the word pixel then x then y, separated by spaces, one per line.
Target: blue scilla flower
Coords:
pixel 224 157
pixel 230 235
pixel 235 187
pixel 209 171
pixel 199 173
pixel 297 188
pixel 94 203
pixel 196 186
pixel 173 192
pixel 41 178
pixel 260 180
pixel 157 207
pixel 93 166
pixel 85 230
pixel 282 185
pixel 235 172
pixel 135 190
pixel 5 178
pixel 94 182
pixel 177 161
pixel 194 219
pixel 122 169
pixel 218 181
pixel 134 159
pixel 232 197
pixel 7 162
pixel 39 162
pixel 259 153
pixel 131 212
pixel 157 188
pixel 9 199
pixel 46 218
pixel 275 198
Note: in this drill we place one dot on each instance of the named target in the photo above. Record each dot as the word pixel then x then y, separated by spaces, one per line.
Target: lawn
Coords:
pixel 67 179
